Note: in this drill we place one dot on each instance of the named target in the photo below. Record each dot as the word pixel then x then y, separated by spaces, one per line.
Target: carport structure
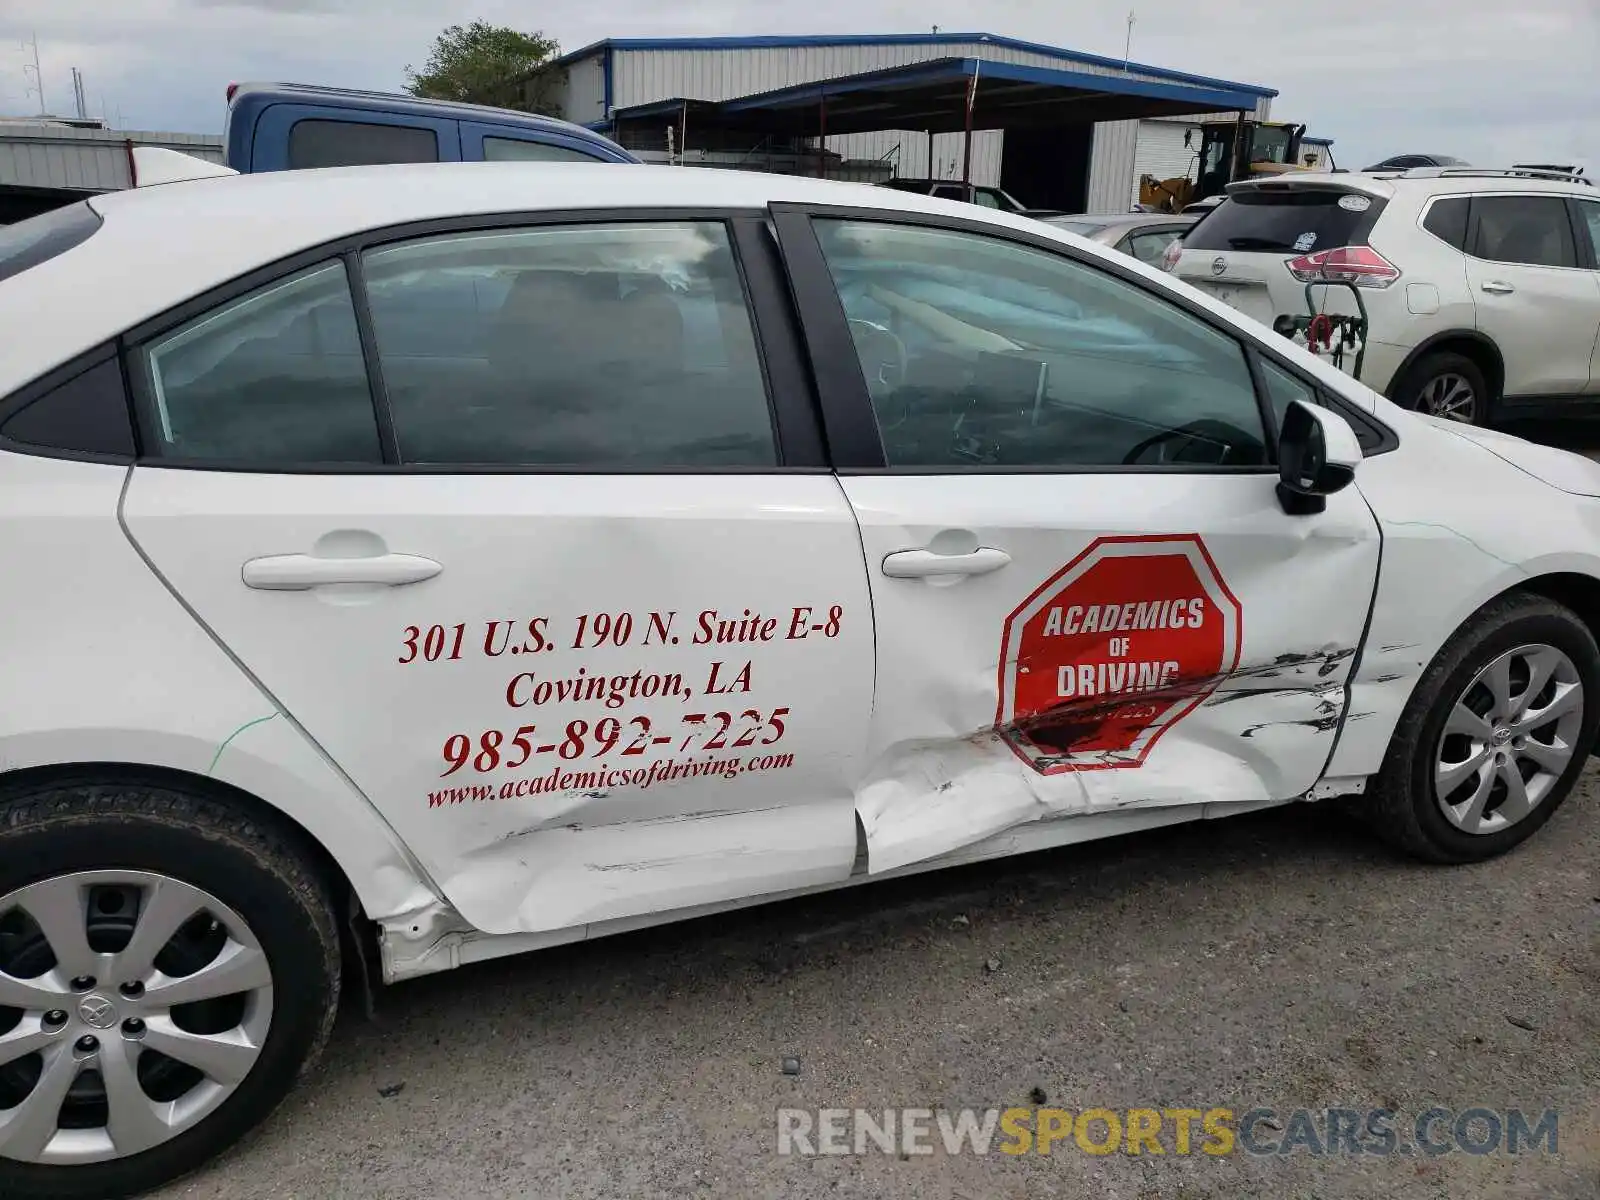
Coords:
pixel 1050 114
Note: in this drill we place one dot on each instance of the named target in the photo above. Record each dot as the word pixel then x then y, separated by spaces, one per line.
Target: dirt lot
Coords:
pixel 1279 960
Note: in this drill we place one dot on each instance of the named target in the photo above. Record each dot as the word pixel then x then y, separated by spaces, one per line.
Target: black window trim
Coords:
pixel 846 407
pixel 41 387
pixel 796 429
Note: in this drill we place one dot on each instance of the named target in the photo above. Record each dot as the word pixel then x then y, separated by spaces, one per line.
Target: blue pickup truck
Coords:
pixel 285 126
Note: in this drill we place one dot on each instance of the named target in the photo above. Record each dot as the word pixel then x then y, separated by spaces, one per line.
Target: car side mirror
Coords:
pixel 1317 456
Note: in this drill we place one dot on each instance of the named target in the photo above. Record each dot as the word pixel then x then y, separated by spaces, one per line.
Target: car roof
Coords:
pixel 159 246
pixel 1425 181
pixel 1108 219
pixel 249 95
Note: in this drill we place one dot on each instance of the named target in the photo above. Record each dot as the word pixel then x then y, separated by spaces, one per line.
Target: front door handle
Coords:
pixel 1498 287
pixel 301 572
pixel 924 564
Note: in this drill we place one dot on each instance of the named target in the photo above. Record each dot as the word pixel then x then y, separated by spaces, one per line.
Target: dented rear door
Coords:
pixel 1087 596
pixel 596 640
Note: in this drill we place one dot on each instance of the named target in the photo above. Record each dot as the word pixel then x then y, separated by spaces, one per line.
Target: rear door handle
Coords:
pixel 301 572
pixel 1498 287
pixel 924 564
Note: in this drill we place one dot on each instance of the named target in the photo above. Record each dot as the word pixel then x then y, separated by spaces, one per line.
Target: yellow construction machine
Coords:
pixel 1228 151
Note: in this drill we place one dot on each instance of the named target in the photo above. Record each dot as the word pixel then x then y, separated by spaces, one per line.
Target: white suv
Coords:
pixel 1481 286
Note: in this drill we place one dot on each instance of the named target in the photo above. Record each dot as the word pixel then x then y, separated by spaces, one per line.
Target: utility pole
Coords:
pixel 38 75
pixel 1127 45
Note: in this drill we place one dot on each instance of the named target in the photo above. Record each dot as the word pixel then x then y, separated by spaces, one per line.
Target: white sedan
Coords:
pixel 451 561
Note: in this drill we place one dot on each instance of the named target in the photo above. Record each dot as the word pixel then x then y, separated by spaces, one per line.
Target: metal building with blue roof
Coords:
pixel 1060 124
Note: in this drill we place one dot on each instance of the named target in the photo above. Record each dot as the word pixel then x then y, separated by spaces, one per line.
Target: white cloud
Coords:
pixel 1481 79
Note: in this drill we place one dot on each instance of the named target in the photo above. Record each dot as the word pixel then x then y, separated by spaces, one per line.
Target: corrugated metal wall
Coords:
pixel 1111 166
pixel 90 160
pixel 909 152
pixel 583 98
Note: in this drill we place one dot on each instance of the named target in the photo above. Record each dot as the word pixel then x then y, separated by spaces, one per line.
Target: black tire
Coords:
pixel 1401 804
pixel 1415 386
pixel 257 869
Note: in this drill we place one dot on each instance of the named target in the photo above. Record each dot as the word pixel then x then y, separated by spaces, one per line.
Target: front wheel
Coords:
pixel 1494 737
pixel 168 967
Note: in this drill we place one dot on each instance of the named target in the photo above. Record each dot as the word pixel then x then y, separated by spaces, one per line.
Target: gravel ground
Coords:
pixel 1277 960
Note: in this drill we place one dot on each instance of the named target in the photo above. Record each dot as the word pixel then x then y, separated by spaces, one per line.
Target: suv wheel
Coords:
pixel 169 966
pixel 1446 385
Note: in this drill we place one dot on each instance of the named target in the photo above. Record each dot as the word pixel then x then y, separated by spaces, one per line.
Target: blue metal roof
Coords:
pixel 988 70
pixel 907 39
pixel 932 95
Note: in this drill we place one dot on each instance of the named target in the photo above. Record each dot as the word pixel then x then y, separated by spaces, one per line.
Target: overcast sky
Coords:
pixel 1491 81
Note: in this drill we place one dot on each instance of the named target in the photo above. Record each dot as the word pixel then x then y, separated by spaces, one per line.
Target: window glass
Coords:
pixel 274 377
pixel 1447 221
pixel 978 351
pixel 1149 247
pixel 1082 228
pixel 621 345
pixel 1533 230
pixel 39 239
pixel 1283 388
pixel 1590 210
pixel 986 199
pixel 316 143
pixel 1292 221
pixel 498 149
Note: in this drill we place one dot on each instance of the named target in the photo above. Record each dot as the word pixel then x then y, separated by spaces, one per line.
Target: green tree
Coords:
pixel 488 64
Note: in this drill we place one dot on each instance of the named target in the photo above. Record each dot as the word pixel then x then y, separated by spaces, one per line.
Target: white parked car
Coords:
pixel 460 560
pixel 1482 287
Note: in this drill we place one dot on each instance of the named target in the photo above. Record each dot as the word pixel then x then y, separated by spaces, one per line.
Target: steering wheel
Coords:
pixel 884 361
pixel 1219 434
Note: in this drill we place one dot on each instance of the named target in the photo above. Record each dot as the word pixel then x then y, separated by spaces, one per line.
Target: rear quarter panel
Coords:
pixel 103 665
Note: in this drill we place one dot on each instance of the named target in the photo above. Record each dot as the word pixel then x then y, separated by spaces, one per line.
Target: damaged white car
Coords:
pixel 455 561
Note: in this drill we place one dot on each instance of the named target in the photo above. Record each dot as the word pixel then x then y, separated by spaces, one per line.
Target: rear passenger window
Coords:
pixel 317 143
pixel 621 345
pixel 276 377
pixel 1447 221
pixel 496 149
pixel 1533 230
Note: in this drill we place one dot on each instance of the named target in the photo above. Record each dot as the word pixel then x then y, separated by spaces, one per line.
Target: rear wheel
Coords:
pixel 1447 385
pixel 1495 735
pixel 168 968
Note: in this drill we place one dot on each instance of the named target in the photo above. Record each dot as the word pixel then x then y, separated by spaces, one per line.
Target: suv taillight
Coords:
pixel 232 88
pixel 1171 255
pixel 1360 265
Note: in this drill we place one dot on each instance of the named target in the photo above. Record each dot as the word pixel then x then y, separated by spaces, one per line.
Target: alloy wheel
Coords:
pixel 1450 396
pixel 1508 739
pixel 132 1005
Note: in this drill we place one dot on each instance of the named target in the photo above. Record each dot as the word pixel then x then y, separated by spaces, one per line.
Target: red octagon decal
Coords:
pixel 1113 650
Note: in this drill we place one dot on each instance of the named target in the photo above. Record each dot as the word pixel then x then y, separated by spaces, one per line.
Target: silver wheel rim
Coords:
pixel 1450 396
pixel 121 1054
pixel 1509 738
